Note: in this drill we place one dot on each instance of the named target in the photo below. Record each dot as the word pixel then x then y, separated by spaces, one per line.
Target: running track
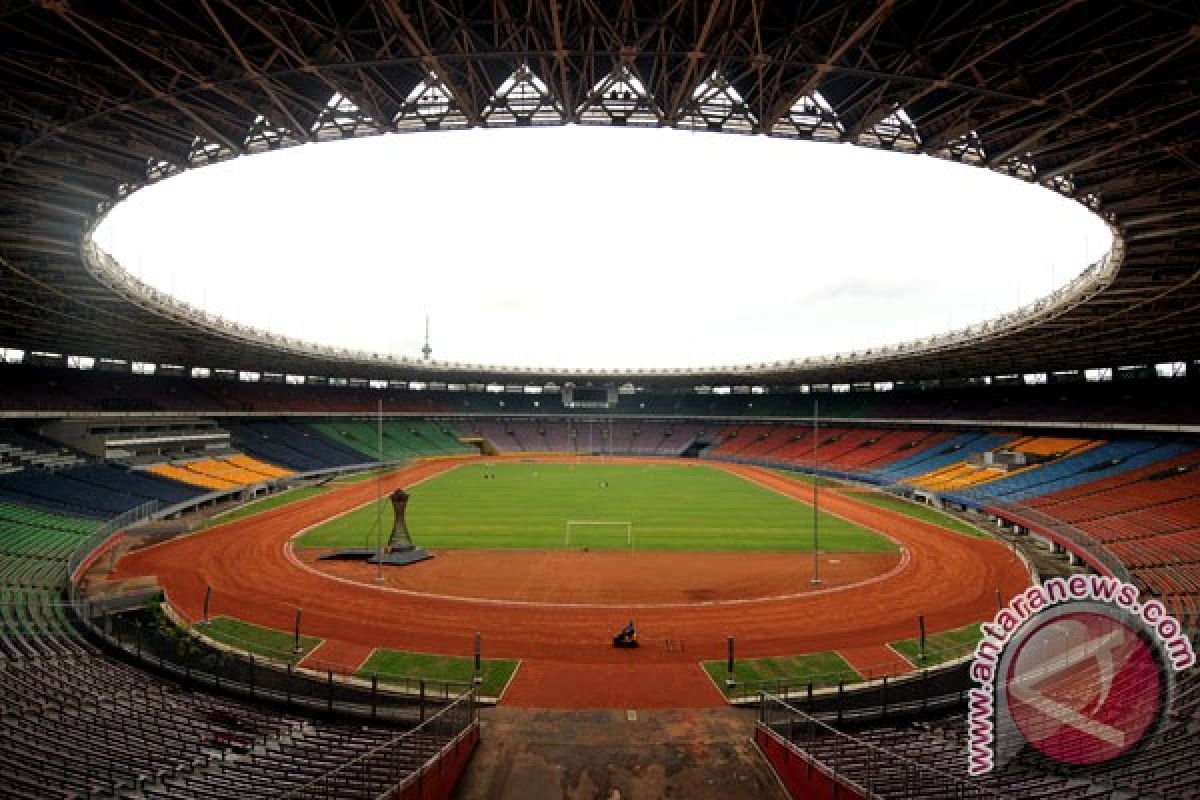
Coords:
pixel 567 660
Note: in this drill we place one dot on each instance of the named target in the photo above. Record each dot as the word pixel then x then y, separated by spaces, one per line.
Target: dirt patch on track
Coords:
pixel 613 578
pixel 335 655
pixel 875 661
pixel 951 579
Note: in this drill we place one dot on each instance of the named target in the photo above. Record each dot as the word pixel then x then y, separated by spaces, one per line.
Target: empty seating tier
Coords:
pixel 220 473
pixel 400 440
pixel 294 446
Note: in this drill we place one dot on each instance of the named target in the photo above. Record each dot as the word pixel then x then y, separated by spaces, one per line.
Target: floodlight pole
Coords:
pixel 379 492
pixel 816 577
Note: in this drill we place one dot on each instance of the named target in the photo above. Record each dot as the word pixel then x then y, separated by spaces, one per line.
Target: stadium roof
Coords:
pixel 1096 101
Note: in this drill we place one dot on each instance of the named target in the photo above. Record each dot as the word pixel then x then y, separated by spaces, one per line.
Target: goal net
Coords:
pixel 584 534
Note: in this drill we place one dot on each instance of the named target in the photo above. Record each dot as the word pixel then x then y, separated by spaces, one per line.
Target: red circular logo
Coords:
pixel 1084 688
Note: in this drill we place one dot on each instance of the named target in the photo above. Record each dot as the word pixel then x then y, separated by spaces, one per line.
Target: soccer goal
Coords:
pixel 600 534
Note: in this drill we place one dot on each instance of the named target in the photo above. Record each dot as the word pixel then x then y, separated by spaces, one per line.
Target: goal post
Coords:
pixel 600 534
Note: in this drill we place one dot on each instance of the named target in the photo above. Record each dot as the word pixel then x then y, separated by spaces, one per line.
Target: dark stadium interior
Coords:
pixel 1070 427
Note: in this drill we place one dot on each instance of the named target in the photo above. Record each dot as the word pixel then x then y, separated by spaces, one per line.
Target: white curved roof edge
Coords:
pixel 1094 278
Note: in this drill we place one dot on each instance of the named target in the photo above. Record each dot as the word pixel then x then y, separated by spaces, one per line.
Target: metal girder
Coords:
pixel 277 106
pixel 1124 78
pixel 966 62
pixel 416 38
pixel 82 26
pixel 99 98
pixel 847 36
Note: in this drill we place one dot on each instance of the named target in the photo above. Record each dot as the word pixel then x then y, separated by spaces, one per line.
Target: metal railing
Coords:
pixel 175 653
pixel 386 770
pixel 863 767
pixel 127 625
pixel 98 537
pixel 440 715
pixel 1085 546
pixel 935 689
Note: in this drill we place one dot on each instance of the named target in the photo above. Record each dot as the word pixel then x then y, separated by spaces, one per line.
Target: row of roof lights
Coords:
pixel 1169 369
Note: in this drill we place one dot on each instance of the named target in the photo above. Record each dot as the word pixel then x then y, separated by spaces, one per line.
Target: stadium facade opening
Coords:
pixel 601 248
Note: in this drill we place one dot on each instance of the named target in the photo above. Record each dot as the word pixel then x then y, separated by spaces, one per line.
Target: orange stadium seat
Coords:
pixel 185 475
pixel 221 473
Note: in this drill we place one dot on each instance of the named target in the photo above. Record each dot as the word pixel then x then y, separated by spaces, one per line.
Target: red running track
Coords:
pixel 952 579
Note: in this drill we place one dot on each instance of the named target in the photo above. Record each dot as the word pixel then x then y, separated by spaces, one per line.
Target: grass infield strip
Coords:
pixel 396 664
pixel 265 504
pixel 286 497
pixel 923 513
pixel 804 477
pixel 359 477
pixel 940 647
pixel 400 664
pixel 257 639
pixel 822 669
pixel 671 508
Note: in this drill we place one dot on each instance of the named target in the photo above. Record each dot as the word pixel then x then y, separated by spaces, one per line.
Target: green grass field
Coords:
pixel 356 477
pixel 257 639
pixel 286 497
pixel 527 505
pixel 398 665
pixel 391 666
pixel 916 511
pixel 265 504
pixel 821 669
pixel 803 477
pixel 940 647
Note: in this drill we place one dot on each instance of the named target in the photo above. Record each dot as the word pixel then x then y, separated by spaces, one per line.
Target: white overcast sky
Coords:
pixel 600 247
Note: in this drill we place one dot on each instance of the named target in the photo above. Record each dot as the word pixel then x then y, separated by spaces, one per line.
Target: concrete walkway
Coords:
pixel 697 754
